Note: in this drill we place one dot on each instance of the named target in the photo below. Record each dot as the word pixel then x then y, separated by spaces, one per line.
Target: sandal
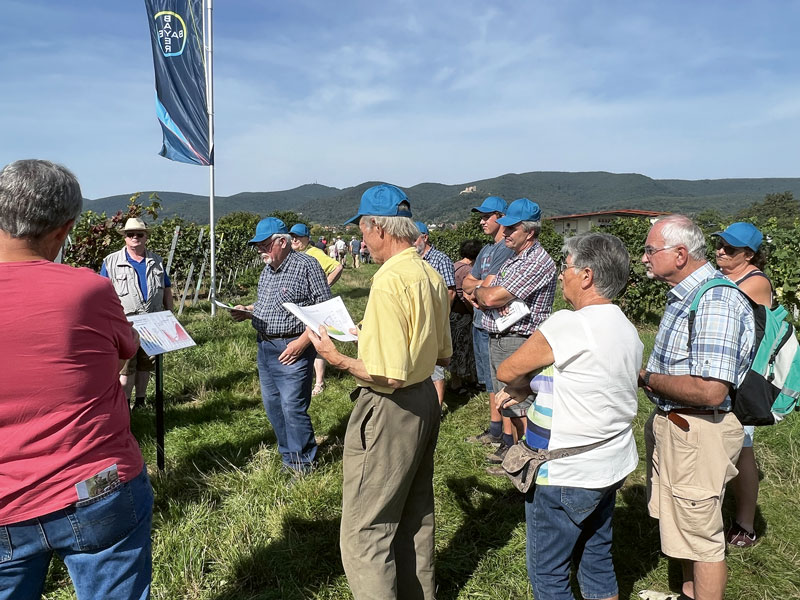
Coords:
pixel 739 537
pixel 318 389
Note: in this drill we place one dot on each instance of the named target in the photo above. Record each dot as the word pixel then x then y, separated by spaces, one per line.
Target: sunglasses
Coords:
pixel 727 248
pixel 135 234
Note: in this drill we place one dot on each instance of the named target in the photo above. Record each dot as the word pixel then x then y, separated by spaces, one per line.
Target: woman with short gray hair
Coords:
pixel 587 363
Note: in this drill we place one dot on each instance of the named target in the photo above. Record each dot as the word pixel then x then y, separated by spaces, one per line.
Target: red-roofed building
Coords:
pixel 567 225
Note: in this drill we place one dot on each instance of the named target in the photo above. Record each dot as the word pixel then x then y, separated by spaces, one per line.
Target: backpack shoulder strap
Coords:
pixel 711 283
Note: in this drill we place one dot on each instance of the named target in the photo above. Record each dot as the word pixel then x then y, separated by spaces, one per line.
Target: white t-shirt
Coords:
pixel 597 354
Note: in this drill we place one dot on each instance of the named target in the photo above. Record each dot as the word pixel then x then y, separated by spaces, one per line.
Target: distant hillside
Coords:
pixel 556 192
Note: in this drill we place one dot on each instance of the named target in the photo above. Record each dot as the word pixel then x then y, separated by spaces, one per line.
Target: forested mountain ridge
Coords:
pixel 558 193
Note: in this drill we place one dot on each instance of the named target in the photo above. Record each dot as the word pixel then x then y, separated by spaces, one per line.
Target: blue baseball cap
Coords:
pixel 521 209
pixel 742 235
pixel 492 204
pixel 423 229
pixel 382 201
pixel 266 228
pixel 300 229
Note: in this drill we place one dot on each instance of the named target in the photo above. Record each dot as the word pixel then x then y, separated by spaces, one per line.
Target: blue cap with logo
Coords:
pixel 742 235
pixel 300 229
pixel 521 209
pixel 266 228
pixel 492 204
pixel 423 229
pixel 382 201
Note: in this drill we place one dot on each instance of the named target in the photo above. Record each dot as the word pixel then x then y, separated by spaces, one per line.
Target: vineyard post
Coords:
pixel 172 247
pixel 186 288
pixel 200 279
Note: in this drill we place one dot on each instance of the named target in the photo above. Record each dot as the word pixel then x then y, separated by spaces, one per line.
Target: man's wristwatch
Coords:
pixel 646 379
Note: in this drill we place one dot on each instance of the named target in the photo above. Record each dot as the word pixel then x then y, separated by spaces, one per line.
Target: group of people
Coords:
pixel 339 250
pixel 72 478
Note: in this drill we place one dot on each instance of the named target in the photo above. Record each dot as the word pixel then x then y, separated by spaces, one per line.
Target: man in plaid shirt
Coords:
pixel 692 438
pixel 530 277
pixel 444 266
pixel 285 354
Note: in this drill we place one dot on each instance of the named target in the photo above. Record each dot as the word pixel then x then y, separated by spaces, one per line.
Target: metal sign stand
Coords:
pixel 160 412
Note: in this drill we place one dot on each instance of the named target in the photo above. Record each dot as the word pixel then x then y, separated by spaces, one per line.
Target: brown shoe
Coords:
pixel 496 457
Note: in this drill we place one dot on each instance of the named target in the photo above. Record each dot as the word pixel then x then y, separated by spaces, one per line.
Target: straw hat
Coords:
pixel 133 224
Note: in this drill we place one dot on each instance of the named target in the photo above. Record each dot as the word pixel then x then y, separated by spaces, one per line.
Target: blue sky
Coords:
pixel 408 91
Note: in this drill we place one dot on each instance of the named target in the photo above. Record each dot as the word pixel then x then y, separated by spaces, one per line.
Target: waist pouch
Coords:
pixel 522 462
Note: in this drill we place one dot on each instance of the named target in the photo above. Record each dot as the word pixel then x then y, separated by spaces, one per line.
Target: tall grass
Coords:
pixel 228 525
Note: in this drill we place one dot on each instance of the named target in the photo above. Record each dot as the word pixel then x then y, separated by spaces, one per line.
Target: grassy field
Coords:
pixel 229 526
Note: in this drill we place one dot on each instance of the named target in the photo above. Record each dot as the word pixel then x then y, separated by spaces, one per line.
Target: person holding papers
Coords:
pixel 301 237
pixel 143 286
pixel 528 276
pixel 285 355
pixel 387 527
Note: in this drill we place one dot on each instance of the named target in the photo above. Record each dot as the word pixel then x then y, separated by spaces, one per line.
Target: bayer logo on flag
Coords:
pixel 171 30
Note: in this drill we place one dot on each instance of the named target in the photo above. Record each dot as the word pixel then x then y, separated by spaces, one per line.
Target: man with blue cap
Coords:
pixel 489 261
pixel 285 354
pixel 528 276
pixel 444 266
pixel 387 531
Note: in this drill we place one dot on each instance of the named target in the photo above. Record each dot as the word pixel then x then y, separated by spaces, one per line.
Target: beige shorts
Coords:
pixel 686 476
pixel 140 362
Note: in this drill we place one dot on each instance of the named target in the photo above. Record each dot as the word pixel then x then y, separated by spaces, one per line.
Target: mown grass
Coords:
pixel 228 525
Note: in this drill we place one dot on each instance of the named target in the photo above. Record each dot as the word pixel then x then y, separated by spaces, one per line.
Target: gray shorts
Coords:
pixel 500 348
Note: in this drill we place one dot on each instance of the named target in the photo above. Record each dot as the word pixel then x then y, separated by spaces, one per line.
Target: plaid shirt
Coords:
pixel 530 276
pixel 299 279
pixel 443 265
pixel 724 335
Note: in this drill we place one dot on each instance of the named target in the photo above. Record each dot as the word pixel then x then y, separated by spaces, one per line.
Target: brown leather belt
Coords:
pixel 675 417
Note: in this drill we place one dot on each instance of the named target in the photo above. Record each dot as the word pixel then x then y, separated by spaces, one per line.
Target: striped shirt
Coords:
pixel 529 276
pixel 299 279
pixel 722 345
pixel 443 265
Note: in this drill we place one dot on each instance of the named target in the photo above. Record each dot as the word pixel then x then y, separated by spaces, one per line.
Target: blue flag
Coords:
pixel 176 32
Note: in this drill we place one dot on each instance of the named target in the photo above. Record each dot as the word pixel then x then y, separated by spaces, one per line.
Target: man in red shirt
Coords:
pixel 72 477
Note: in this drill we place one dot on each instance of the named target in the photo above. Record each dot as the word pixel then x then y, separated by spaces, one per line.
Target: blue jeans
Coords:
pixel 480 345
pixel 566 524
pixel 104 542
pixel 286 394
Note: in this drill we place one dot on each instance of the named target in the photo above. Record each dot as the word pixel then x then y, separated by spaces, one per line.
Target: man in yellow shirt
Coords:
pixel 301 237
pixel 387 494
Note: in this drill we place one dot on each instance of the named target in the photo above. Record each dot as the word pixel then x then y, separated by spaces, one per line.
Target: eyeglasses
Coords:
pixel 135 234
pixel 564 266
pixel 265 246
pixel 650 250
pixel 727 248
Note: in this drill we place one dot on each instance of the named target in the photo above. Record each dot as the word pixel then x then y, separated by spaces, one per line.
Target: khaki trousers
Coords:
pixel 387 498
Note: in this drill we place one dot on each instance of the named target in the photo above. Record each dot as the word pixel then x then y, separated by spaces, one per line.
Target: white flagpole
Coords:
pixel 209 43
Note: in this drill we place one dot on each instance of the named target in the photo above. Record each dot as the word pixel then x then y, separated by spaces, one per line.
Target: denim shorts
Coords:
pixel 103 541
pixel 558 520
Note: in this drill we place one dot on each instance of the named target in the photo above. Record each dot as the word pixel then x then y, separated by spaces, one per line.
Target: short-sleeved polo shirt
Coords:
pixel 328 264
pixel 406 327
